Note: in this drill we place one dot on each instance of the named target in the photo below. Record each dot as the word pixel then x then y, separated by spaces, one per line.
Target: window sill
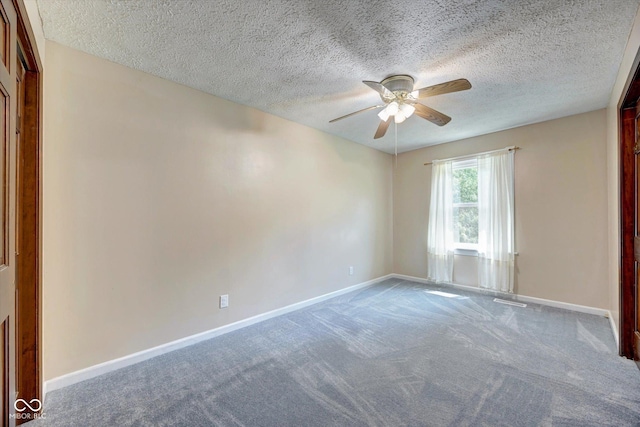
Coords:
pixel 471 252
pixel 465 252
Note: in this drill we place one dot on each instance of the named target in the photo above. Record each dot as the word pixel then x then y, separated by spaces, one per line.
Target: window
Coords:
pixel 465 204
pixel 472 210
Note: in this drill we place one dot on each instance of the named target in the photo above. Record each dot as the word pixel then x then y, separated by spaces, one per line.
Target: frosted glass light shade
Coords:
pixel 407 110
pixel 400 112
pixel 393 108
pixel 384 115
pixel 399 117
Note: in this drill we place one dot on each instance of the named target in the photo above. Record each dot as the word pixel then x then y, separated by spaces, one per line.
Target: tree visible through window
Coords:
pixel 465 204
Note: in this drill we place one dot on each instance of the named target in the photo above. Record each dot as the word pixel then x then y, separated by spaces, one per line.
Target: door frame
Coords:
pixel 627 185
pixel 29 220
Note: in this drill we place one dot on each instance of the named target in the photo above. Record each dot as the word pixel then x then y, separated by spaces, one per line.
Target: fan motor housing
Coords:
pixel 400 83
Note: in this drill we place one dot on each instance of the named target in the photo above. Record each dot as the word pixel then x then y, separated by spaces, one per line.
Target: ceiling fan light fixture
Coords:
pixel 393 108
pixel 401 100
pixel 384 115
pixel 399 117
pixel 407 110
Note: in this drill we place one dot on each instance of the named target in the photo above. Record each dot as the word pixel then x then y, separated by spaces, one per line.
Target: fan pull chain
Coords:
pixel 395 127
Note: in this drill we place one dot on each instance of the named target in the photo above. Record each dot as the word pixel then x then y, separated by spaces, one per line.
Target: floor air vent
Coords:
pixel 504 301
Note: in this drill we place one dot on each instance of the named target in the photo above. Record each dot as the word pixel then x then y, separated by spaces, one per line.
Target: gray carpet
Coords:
pixel 393 354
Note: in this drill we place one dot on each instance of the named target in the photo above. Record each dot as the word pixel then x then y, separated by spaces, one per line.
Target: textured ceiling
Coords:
pixel 304 60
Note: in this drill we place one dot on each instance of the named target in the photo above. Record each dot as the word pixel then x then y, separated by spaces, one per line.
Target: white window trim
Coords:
pixel 466 205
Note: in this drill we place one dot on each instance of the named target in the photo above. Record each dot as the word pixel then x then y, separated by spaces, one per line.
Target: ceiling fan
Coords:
pixel 401 101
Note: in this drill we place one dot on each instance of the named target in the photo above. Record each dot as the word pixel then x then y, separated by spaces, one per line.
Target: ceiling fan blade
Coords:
pixel 356 112
pixel 382 128
pixel 378 87
pixel 430 114
pixel 442 88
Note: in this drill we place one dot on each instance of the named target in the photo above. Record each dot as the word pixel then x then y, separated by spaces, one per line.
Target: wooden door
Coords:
pixel 628 229
pixel 636 239
pixel 8 40
pixel 629 152
pixel 19 85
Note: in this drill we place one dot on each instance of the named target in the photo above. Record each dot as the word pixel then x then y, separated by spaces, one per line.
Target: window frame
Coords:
pixel 469 249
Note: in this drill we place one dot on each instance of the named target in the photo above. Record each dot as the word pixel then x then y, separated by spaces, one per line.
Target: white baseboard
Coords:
pixel 614 329
pixel 112 365
pixel 524 298
pixel 516 297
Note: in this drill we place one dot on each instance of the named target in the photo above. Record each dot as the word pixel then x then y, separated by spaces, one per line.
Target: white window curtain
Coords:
pixel 440 232
pixel 496 221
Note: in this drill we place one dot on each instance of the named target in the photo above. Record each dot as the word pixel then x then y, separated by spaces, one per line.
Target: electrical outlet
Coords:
pixel 351 270
pixel 224 301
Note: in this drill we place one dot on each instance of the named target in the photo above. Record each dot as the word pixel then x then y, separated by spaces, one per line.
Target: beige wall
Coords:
pixel 159 198
pixel 613 171
pixel 561 208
